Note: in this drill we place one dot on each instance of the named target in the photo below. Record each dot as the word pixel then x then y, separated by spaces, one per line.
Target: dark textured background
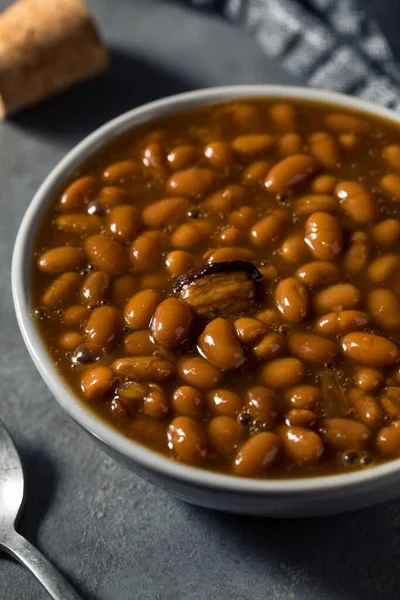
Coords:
pixel 114 536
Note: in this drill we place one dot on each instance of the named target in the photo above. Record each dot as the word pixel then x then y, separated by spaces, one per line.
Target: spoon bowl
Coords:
pixel 11 481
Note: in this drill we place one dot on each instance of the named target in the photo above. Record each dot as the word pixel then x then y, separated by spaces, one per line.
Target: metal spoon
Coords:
pixel 11 499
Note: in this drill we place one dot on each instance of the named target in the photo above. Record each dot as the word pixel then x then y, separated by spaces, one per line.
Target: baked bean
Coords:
pixel 300 444
pixel 154 281
pixel 356 258
pixel 246 117
pixel 342 296
pixel 188 402
pixel 143 368
pixel 300 417
pixel 63 258
pixel 389 399
pixel 145 252
pixel 289 172
pixel 94 287
pixel 349 141
pixel 123 222
pixel 255 172
pixel 312 348
pixel 339 323
pixel 356 201
pixel 347 123
pixel 312 203
pixel 77 193
pixel 187 440
pixel 294 249
pixel 384 308
pixel 283 116
pixel 155 403
pixel 97 382
pixel 318 273
pixel 163 213
pixel 388 439
pixel 183 157
pixel 105 254
pixel 366 407
pixel 154 156
pixel 172 322
pixel 290 143
pixel 230 236
pixel 291 299
pixel 391 184
pixel 282 372
pixel 383 267
pixel 270 274
pixel 391 155
pixel 220 155
pixel 225 199
pixel 194 181
pixel 75 316
pixel 270 346
pixel 269 228
pixel 187 236
pixel 261 403
pixel 121 171
pixel 122 288
pixel 243 218
pixel 220 346
pixel 323 235
pixel 269 317
pixel 131 393
pixel 386 233
pixel 325 150
pixel 103 326
pixel 370 349
pixel 198 372
pixel 140 308
pixel 253 143
pixel 225 435
pixel 258 454
pixel 344 434
pixel 229 253
pixel 109 196
pixel 249 330
pixel 323 184
pixel 61 290
pixel 304 397
pixel 70 340
pixel 149 431
pixel 78 224
pixel 368 379
pixel 139 343
pixel 178 262
pixel 224 402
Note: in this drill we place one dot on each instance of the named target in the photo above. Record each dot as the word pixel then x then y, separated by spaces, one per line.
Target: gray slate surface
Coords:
pixel 114 536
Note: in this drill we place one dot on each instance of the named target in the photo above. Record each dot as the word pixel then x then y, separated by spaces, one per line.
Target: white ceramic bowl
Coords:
pixel 280 498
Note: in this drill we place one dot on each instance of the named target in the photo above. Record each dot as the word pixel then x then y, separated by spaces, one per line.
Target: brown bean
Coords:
pixel 270 274
pixel 388 439
pixel 283 116
pixel 154 156
pixel 249 330
pixel 61 290
pixel 290 143
pixel 291 299
pixel 122 288
pixel 166 212
pixel 140 308
pixel 187 236
pixel 220 155
pixel 121 171
pixel 323 184
pixel 303 397
pixel 105 254
pixel 62 258
pixel 229 253
pixel 143 368
pixel 187 440
pixel 391 185
pixel 269 228
pixel 149 432
pixel 245 116
pixel 389 399
pixel 312 348
pixel 230 236
pixel 139 343
pixel 188 402
pixel 300 417
pixel 294 249
pixel 196 371
pixel 356 201
pixel 341 122
pixel 145 252
pixel 94 287
pixel 194 181
pixel 182 157
pixel 356 258
pixel 258 454
pixel 349 141
pixel 282 372
pixel 391 155
pixel 225 435
pixel 383 268
pixel 289 172
pixel 370 349
pixel 368 379
pixel 270 346
pixel 155 402
pixel 366 407
pixel 224 402
pixel 178 262
pixel 384 308
pixel 386 233
pixel 70 340
pixel 78 224
pixel 323 235
pixel 261 403
pixel 225 199
pixel 75 316
pixel 339 323
pixel 269 317
pixel 318 273
pixel 103 326
pixel 344 434
pixel 342 296
pixel 252 143
pixel 219 345
pixel 172 322
pixel 97 382
pixel 325 150
pixel 300 444
pixel 243 218
pixel 109 196
pixel 77 193
pixel 311 203
pixel 255 172
pixel 123 221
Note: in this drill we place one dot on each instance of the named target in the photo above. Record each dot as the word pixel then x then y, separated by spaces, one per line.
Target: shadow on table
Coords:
pixel 349 556
pixel 71 115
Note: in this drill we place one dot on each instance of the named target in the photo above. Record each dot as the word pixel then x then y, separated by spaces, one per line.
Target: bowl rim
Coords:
pixel 20 276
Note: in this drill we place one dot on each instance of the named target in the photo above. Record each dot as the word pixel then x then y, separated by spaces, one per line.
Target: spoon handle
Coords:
pixel 53 582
